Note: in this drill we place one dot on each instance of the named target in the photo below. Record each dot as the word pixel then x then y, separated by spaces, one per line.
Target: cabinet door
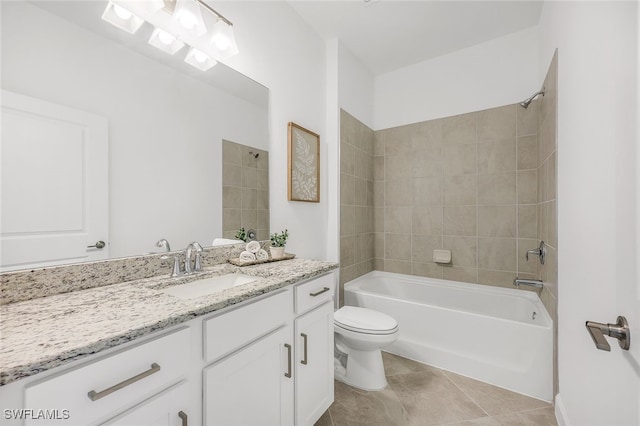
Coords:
pixel 253 386
pixel 314 364
pixel 168 408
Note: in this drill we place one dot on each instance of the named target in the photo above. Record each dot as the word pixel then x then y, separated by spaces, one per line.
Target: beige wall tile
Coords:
pixel 528 221
pixel 497 123
pixel 378 219
pixel 231 220
pixel 465 275
pixel 528 119
pixel 398 192
pixel 528 152
pixel 460 129
pixel 262 200
pixel 464 251
pixel 378 245
pixel 249 177
pixel 378 194
pixel 497 188
pixel 360 198
pixel 347 251
pixel 497 221
pixel 364 247
pixel 397 140
pixel 527 186
pixel 347 220
pixel 347 158
pixel 263 222
pixel 249 218
pixel 367 135
pixel 379 137
pixel 397 166
pixel 249 160
pixel 249 198
pixel 547 179
pixel 397 266
pixel 459 159
pixel 347 189
pixel 460 220
pixel 364 165
pixel 231 152
pixel 427 269
pixel 397 246
pixel 427 191
pixel 263 179
pixel 397 220
pixel 231 175
pixel 425 163
pixel 378 168
pixel 497 254
pixel 460 190
pixel 370 193
pixel 496 278
pixel 422 247
pixel 426 135
pixel 426 220
pixel 263 160
pixel 497 156
pixel 231 197
pixel 364 223
pixel 378 264
pixel 547 136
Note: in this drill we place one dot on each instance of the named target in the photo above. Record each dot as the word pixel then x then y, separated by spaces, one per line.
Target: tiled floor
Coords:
pixel 422 395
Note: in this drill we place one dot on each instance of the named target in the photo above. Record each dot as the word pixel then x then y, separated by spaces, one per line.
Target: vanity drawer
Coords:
pixel 232 330
pixel 314 292
pixel 101 389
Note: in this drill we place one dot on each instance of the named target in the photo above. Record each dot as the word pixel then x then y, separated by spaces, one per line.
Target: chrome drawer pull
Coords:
pixel 183 416
pixel 94 396
pixel 304 357
pixel 288 373
pixel 318 293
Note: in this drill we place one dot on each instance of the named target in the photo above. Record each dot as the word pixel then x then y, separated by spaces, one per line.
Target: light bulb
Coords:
pixel 165 37
pixel 222 42
pixel 199 56
pixel 122 12
pixel 187 20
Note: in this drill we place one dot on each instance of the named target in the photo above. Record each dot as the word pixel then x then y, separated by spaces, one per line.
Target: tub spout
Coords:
pixel 533 283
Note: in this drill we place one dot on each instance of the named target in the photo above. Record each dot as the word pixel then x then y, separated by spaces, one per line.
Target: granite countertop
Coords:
pixel 40 334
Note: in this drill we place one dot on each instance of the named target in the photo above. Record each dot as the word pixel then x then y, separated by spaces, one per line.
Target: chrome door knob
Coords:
pixel 98 245
pixel 619 330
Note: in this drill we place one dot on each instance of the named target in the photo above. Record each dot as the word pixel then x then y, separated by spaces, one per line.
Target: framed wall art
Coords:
pixel 303 164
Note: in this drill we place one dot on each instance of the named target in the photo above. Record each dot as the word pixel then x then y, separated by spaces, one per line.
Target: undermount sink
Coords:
pixel 207 286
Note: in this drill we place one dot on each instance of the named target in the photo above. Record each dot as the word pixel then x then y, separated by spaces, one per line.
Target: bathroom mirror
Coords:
pixel 165 120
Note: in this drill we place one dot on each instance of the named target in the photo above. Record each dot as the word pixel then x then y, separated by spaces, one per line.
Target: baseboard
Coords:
pixel 560 412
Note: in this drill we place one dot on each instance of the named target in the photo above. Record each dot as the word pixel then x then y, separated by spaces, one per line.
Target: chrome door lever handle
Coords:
pixel 619 330
pixel 98 245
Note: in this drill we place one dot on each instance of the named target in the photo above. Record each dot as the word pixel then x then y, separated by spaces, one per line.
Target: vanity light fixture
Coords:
pixel 199 59
pixel 208 34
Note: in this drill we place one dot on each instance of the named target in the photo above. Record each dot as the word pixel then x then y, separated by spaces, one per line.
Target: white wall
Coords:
pixel 165 129
pixel 278 50
pixel 498 72
pixel 597 45
pixel 355 87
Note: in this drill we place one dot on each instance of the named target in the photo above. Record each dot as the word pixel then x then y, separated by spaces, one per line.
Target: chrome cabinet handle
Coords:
pixel 183 416
pixel 304 356
pixel 94 396
pixel 318 293
pixel 619 330
pixel 288 373
pixel 98 245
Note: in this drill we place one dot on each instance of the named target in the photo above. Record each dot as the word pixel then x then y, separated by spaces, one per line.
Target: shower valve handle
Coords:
pixel 619 330
pixel 541 252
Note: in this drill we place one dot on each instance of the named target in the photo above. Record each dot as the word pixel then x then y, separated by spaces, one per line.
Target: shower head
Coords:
pixel 525 104
pixel 254 154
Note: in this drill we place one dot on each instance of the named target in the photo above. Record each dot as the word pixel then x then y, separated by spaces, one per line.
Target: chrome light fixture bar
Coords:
pixel 208 33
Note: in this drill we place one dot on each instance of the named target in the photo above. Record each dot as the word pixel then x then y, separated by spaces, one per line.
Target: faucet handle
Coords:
pixel 198 266
pixel 176 272
pixel 541 252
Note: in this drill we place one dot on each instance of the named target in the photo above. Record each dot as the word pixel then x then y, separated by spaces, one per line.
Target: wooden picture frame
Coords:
pixel 303 168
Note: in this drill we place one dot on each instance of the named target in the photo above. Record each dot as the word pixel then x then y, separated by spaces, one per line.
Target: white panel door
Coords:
pixel 54 184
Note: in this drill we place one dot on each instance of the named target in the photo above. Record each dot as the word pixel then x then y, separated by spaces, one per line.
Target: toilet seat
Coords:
pixel 363 320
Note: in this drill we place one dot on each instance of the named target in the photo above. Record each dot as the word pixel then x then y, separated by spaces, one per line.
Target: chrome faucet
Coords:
pixel 187 258
pixel 164 243
pixel 533 283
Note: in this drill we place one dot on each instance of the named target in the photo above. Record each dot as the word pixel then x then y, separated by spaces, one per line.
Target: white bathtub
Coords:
pixel 497 335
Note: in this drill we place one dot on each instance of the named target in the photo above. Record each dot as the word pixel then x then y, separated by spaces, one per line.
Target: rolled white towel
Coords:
pixel 253 247
pixel 247 256
pixel 224 241
pixel 262 255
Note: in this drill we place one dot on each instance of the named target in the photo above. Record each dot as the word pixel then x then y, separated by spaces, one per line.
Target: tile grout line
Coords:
pixel 465 394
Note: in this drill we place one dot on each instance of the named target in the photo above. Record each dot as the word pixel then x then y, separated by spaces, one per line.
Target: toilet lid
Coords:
pixel 364 320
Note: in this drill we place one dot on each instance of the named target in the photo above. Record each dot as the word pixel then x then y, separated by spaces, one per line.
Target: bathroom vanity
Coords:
pixel 132 354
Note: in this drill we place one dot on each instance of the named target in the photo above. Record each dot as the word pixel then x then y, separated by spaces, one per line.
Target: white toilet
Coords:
pixel 360 333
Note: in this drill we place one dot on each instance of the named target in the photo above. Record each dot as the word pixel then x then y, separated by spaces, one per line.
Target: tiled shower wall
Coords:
pixel 467 183
pixel 547 201
pixel 245 190
pixel 356 199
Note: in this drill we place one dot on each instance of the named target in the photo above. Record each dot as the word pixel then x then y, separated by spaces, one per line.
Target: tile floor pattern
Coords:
pixel 419 394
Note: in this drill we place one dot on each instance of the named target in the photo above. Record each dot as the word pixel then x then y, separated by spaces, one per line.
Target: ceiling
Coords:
pixel 390 34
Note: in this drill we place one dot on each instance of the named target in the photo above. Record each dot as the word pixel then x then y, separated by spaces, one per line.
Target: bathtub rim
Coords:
pixel 355 285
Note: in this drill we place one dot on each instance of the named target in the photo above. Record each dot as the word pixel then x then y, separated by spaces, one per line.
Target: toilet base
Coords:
pixel 364 370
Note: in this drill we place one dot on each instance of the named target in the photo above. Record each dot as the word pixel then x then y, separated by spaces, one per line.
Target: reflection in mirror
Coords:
pixel 164 123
